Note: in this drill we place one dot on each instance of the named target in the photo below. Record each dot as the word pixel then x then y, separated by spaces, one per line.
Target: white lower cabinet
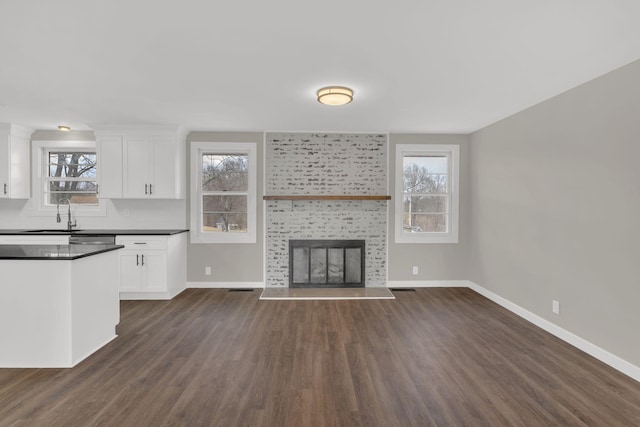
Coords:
pixel 152 267
pixel 143 271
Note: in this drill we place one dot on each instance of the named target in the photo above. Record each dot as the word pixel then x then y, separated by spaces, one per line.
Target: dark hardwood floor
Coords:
pixel 445 357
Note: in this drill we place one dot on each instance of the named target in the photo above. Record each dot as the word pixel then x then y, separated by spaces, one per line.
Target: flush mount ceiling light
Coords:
pixel 64 128
pixel 335 95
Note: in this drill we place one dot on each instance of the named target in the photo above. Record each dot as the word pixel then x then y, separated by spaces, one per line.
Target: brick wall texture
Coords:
pixel 325 164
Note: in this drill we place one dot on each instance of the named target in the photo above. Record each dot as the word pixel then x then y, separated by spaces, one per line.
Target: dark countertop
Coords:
pixel 53 252
pixel 103 232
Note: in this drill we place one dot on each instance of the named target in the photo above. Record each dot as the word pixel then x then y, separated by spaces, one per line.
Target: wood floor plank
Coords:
pixel 433 357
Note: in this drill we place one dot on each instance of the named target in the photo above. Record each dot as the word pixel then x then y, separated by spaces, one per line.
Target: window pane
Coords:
pixel 425 174
pixel 430 204
pixel 427 199
pixel 224 213
pixel 72 186
pixel 433 163
pixel 223 203
pixel 78 192
pixel 225 172
pixel 233 222
pixel 75 198
pixel 425 223
pixel 70 164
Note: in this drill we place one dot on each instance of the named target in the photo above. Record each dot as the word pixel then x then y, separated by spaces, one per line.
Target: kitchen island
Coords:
pixel 59 303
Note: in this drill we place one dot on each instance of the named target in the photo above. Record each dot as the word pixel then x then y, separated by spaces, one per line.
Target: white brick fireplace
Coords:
pixel 310 164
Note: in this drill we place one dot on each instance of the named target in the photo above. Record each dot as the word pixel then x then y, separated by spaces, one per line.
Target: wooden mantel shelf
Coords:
pixel 326 197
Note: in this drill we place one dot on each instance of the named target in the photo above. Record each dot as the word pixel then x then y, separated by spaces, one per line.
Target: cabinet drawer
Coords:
pixel 142 242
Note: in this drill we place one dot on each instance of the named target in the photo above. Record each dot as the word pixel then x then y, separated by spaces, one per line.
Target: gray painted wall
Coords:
pixel 229 262
pixel 555 202
pixel 434 261
pixel 241 263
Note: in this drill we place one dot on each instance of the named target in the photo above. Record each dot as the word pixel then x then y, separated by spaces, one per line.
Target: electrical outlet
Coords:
pixel 415 270
pixel 207 271
pixel 555 306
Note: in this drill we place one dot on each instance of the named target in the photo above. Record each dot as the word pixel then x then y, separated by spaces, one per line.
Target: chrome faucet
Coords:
pixel 70 225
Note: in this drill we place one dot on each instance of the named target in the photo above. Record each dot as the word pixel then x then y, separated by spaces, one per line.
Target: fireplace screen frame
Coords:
pixel 326 245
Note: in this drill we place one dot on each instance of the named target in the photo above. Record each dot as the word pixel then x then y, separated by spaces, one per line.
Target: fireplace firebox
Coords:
pixel 326 263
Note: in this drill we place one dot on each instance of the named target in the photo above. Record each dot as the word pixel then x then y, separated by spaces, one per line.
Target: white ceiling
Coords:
pixel 429 66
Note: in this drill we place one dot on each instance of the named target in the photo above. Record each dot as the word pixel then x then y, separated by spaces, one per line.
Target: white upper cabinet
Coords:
pixel 136 165
pixel 142 163
pixel 14 161
pixel 109 157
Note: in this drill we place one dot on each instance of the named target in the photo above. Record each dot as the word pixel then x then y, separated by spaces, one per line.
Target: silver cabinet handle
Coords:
pixel 5 188
pixel 145 189
pixel 150 189
pixel 97 189
pixel 137 259
pixel 142 259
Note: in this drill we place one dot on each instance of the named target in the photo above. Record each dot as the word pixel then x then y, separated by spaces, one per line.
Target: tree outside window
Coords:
pixel 71 175
pixel 225 192
pixel 425 194
pixel 426 189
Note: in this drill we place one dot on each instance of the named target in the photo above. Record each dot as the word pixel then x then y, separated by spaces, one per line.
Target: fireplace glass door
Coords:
pixel 326 263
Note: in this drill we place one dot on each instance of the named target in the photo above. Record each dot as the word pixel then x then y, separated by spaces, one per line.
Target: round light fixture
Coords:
pixel 64 128
pixel 335 95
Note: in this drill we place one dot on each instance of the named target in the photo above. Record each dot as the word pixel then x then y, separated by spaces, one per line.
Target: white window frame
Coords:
pixel 40 174
pixel 197 150
pixel 452 152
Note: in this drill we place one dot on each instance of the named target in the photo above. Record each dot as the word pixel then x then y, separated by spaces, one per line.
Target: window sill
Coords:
pixel 221 238
pixel 327 197
pixel 425 238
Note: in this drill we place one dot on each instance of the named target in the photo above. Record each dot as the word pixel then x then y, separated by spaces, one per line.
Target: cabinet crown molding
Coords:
pixel 16 130
pixel 138 130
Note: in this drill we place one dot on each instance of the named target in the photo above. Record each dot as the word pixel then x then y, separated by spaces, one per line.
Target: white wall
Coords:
pixel 142 214
pixel 555 203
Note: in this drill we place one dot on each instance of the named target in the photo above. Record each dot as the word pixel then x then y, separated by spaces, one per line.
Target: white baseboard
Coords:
pixel 90 352
pixel 428 284
pixel 225 285
pixel 580 343
pixel 134 296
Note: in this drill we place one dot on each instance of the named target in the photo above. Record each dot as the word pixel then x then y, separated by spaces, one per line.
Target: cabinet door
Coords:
pixel 137 161
pixel 14 167
pixel 20 157
pixel 5 167
pixel 130 271
pixel 163 168
pixel 155 268
pixel 109 150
